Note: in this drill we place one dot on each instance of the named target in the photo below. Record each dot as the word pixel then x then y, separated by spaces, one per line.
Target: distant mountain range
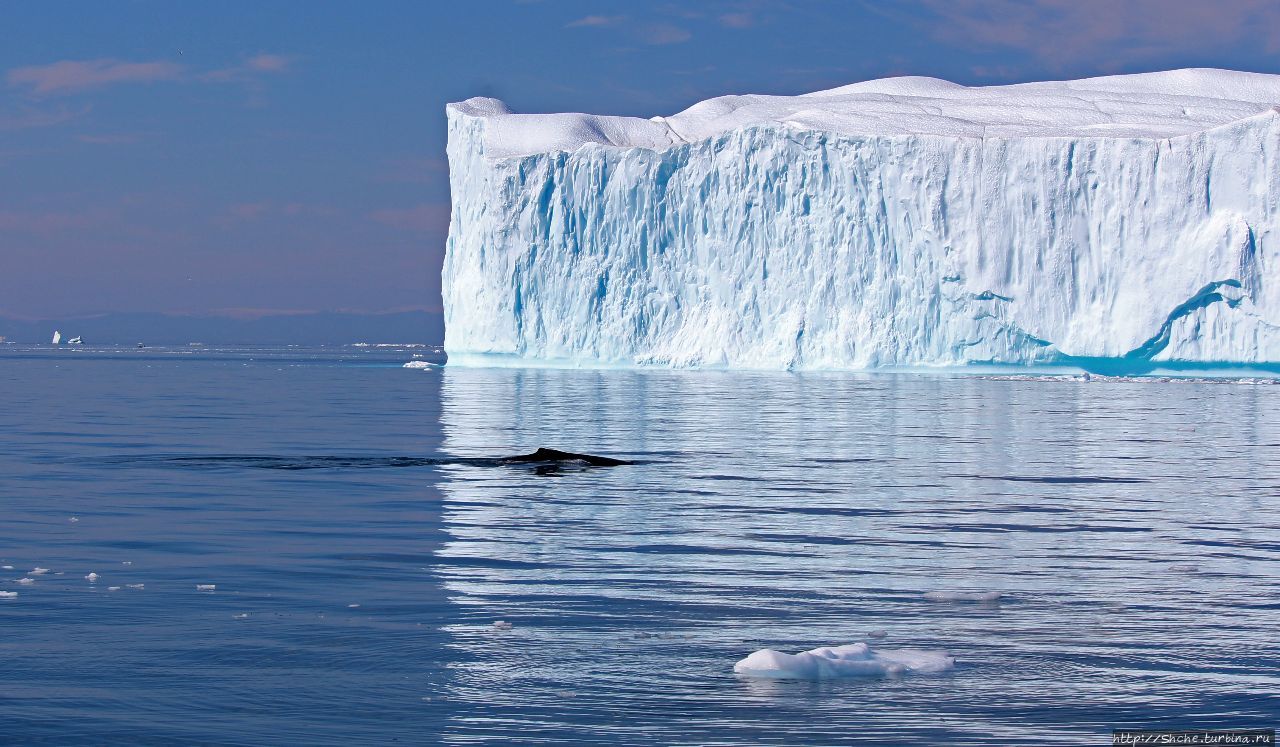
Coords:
pixel 318 328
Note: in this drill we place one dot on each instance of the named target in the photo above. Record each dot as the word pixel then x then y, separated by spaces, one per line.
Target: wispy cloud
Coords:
pixel 79 75
pixel 1063 32
pixel 108 139
pixel 737 20
pixel 663 33
pixel 29 117
pixel 427 217
pixel 595 21
pixel 252 67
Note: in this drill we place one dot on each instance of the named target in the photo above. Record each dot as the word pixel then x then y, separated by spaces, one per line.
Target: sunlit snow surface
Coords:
pixel 1112 224
pixel 1129 527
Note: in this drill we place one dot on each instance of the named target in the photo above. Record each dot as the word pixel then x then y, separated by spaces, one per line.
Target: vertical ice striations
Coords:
pixel 900 222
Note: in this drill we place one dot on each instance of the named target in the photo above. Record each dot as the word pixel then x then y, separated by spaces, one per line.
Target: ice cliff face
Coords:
pixel 899 222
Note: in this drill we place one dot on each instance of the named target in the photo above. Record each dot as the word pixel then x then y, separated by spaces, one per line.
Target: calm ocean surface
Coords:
pixel 361 556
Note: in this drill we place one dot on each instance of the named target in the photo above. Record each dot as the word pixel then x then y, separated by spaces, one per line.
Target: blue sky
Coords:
pixel 276 156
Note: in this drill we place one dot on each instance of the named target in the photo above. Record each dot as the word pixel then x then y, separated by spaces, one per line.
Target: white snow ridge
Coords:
pixel 853 660
pixel 896 222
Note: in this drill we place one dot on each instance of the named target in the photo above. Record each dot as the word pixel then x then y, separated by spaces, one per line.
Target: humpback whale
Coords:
pixel 555 456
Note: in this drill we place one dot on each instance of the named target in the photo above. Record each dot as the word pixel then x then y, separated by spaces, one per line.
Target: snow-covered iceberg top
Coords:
pixel 853 660
pixel 1147 105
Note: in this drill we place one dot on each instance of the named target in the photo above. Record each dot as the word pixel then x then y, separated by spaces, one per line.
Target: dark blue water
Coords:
pixel 1132 528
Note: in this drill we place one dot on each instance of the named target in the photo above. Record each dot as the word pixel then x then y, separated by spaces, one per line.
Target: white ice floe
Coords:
pixel 241 616
pixel 8 595
pixel 853 660
pixel 113 588
pixel 421 364
pixel 39 571
pixel 26 581
pixel 135 586
pixel 206 587
pixel 962 596
pixel 502 625
pixel 91 577
pixel 6 568
pixel 74 519
pixel 126 562
pixel 352 606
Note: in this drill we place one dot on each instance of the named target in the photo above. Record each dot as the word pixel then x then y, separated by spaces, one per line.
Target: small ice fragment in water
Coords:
pixel 126 562
pixel 39 571
pixel 962 596
pixel 6 568
pixel 113 588
pixel 853 660
pixel 91 577
pixel 74 519
pixel 135 586
pixel 502 625
pixel 241 616
pixel 26 581
pixel 8 595
pixel 878 634
pixel 420 364
pixel 206 587
pixel 352 606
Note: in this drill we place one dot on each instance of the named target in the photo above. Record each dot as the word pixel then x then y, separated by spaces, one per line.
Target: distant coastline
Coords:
pixel 317 328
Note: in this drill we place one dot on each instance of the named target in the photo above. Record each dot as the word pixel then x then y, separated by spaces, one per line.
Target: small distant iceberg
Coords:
pixel 57 337
pixel 853 660
pixel 421 364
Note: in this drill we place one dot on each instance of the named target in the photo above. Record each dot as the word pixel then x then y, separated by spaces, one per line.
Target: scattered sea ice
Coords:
pixel 6 568
pixel 39 571
pixel 135 586
pixel 74 519
pixel 853 660
pixel 91 577
pixel 206 587
pixel 502 625
pixel 241 616
pixel 8 595
pixel 26 581
pixel 126 562
pixel 962 596
pixel 113 588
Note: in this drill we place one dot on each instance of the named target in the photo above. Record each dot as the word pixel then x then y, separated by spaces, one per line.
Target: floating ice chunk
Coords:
pixel 502 625
pixel 241 616
pixel 352 606
pixel 135 586
pixel 206 587
pixel 126 562
pixel 853 660
pixel 74 519
pixel 39 571
pixel 8 595
pixel 6 568
pixel 421 364
pixel 962 596
pixel 26 581
pixel 113 588
pixel 91 577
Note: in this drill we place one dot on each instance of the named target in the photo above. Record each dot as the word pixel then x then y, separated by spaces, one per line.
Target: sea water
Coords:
pixel 313 546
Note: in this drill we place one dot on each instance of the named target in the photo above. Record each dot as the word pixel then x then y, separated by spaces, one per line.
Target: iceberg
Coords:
pixel 853 660
pixel 1116 224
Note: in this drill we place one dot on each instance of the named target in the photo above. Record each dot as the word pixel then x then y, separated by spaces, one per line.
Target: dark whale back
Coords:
pixel 555 455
